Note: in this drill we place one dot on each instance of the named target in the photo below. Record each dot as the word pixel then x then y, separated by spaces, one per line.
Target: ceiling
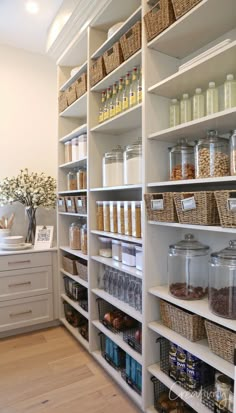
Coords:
pixel 27 31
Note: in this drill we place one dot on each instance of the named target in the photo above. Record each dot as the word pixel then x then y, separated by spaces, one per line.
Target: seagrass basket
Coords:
pixel 159 18
pixel 183 6
pixel 71 94
pixel 131 41
pixel 62 102
pixel 113 57
pixel 161 207
pixel 226 204
pixel 222 341
pixel 81 85
pixel 97 71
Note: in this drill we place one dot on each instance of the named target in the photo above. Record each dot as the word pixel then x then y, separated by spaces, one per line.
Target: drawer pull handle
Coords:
pixel 22 313
pixel 18 284
pixel 19 262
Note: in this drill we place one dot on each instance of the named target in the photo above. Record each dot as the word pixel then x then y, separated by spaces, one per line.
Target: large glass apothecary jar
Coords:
pixel 222 282
pixel 112 167
pixel 75 236
pixel 133 163
pixel 212 156
pixel 188 269
pixel 233 153
pixel 181 161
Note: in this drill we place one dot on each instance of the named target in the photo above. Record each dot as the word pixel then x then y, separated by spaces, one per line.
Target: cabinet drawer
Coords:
pixel 18 261
pixel 25 312
pixel 25 283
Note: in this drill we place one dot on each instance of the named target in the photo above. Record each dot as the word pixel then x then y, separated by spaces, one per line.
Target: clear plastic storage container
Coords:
pixel 113 216
pixel 181 161
pixel 113 168
pixel 128 218
pixel 84 239
pixel 188 269
pixel 212 156
pixel 75 149
pixel 68 151
pixel 105 247
pixel 116 250
pixel 222 282
pixel 233 153
pixel 72 181
pixel 82 146
pixel 106 216
pixel 74 236
pixel 136 218
pixel 139 258
pixel 120 217
pixel 128 254
pixel 133 163
pixel 99 215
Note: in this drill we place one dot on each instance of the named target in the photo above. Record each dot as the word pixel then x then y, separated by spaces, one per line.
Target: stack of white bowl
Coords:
pixel 13 241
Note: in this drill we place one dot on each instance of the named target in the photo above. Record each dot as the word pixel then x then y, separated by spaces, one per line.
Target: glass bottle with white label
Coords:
pixel 174 113
pixel 212 99
pixel 185 109
pixel 230 92
pixel 198 104
pixel 188 269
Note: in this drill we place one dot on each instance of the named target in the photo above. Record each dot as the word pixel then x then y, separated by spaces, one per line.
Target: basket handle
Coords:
pixel 156 8
pixel 231 202
pixel 110 51
pixel 79 80
pixel 157 203
pixel 129 34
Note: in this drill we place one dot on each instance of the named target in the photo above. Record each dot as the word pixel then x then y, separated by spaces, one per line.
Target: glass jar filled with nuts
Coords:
pixel 212 156
pixel 181 161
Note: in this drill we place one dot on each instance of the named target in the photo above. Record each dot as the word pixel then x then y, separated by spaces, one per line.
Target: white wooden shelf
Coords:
pixel 75 164
pixel 223 179
pixel 199 307
pixel 120 71
pixel 199 349
pixel 136 16
pixel 220 63
pixel 223 122
pixel 72 79
pixel 75 132
pixel 115 375
pixel 118 265
pixel 72 214
pixel 75 305
pixel 119 304
pixel 121 123
pixel 75 278
pixel 118 339
pixel 117 188
pixel 124 238
pixel 192 399
pixel 78 109
pixel 77 191
pixel 194 227
pixel 74 331
pixel 76 253
pixel 196 28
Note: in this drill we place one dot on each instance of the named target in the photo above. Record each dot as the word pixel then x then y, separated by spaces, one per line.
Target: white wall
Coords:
pixel 28 120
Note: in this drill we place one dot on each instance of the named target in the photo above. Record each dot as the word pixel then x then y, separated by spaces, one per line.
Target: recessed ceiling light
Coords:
pixel 32 7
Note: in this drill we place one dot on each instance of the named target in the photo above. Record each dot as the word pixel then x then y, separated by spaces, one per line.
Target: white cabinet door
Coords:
pixel 25 260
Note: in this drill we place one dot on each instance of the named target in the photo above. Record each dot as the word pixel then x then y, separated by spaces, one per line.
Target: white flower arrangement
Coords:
pixel 30 189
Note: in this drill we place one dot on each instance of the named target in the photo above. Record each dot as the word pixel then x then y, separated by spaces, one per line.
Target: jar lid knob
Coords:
pixel 232 243
pixel 189 237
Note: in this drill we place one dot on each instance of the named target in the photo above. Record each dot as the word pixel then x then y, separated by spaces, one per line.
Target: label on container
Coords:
pixel 188 203
pixel 112 111
pixel 118 107
pixel 125 103
pixel 60 202
pixel 106 114
pixel 232 204
pixel 69 202
pixel 157 204
pixel 139 94
pixel 133 98
pixel 79 203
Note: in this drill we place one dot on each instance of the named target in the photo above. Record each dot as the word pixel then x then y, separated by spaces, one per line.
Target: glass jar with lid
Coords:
pixel 188 269
pixel 233 153
pixel 68 151
pixel 212 156
pixel 75 149
pixel 181 161
pixel 83 239
pixel 133 163
pixel 82 146
pixel 112 167
pixel 222 282
pixel 74 236
pixel 72 181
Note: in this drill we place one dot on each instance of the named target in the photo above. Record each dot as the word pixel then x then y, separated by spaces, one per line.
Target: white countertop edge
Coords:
pixel 28 251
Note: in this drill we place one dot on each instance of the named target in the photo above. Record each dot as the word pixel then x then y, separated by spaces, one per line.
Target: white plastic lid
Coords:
pixel 174 101
pixel 230 77
pixel 138 248
pixel 185 96
pixel 198 91
pixel 116 241
pixel 212 84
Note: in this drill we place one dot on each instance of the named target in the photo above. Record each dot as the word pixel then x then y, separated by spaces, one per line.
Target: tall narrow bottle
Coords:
pixel 133 88
pixel 107 105
pixel 126 91
pixel 113 101
pixel 230 92
pixel 174 113
pixel 101 109
pixel 212 99
pixel 185 109
pixel 139 87
pixel 119 97
pixel 198 104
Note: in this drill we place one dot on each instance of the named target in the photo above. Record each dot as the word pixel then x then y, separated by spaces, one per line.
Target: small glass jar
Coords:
pixel 181 161
pixel 116 250
pixel 74 236
pixel 68 151
pixel 222 282
pixel 188 269
pixel 82 146
pixel 105 247
pixel 174 113
pixel 112 168
pixel 212 156
pixel 133 163
pixel 99 215
pixel 72 181
pixel 106 215
pixel 120 217
pixel 222 389
pixel 233 153
pixel 84 239
pixel 75 149
pixel 113 216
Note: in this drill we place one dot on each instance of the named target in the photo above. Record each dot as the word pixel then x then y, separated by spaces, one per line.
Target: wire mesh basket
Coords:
pixel 131 383
pixel 130 337
pixel 74 290
pixel 84 304
pixel 112 353
pixel 74 318
pixel 119 321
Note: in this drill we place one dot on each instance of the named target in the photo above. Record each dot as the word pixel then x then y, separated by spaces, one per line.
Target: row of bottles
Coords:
pixel 200 105
pixel 122 96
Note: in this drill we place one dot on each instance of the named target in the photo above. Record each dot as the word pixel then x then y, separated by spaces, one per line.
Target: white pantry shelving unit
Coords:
pixel 209 23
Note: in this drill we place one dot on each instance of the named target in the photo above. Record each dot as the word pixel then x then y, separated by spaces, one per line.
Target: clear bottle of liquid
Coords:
pixel 119 96
pixel 115 284
pixel 106 279
pixel 110 287
pixel 121 294
pixel 126 287
pixel 230 92
pixel 113 101
pixel 133 88
pixel 185 109
pixel 198 104
pixel 107 105
pixel 126 91
pixel 139 87
pixel 212 99
pixel 138 296
pixel 101 109
pixel 131 289
pixel 174 113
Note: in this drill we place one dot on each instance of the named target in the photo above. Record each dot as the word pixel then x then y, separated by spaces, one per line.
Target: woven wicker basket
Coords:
pixel 188 325
pixel 70 204
pixel 71 94
pixel 81 85
pixel 113 57
pixel 69 265
pixel 82 270
pixel 97 71
pixel 62 102
pixel 81 204
pixel 205 211
pixel 226 209
pixel 131 41
pixel 159 18
pixel 183 6
pixel 164 200
pixel 221 341
pixel 61 204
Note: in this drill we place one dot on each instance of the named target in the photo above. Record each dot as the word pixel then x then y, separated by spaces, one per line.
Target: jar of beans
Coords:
pixel 181 161
pixel 212 156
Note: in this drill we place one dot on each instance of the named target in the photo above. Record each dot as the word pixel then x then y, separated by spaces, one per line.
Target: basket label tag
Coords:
pixel 188 203
pixel 157 204
pixel 60 202
pixel 232 204
pixel 69 202
pixel 79 203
